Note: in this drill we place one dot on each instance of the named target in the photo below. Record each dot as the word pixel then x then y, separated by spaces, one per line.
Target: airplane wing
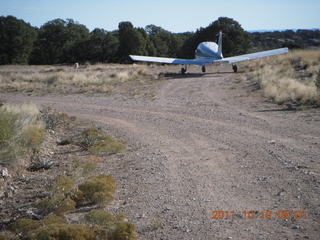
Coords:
pixel 202 62
pixel 252 56
pixel 199 62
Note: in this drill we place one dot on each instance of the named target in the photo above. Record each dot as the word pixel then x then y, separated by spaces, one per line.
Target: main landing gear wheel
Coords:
pixel 203 69
pixel 183 70
pixel 235 68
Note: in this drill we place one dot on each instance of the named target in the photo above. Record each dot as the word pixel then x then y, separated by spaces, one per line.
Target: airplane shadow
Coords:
pixel 171 75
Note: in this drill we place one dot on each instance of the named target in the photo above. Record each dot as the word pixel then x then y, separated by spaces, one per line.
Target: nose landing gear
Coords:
pixel 183 70
pixel 203 69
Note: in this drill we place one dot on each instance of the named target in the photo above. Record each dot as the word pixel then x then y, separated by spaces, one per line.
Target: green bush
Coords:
pixel 99 189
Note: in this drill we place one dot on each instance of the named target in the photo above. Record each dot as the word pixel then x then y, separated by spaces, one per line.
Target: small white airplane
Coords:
pixel 209 53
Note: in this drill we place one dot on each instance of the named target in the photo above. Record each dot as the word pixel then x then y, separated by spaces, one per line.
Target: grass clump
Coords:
pixel 124 231
pixel 53 219
pixel 24 226
pixel 63 184
pixel 110 227
pixel 99 189
pixel 102 226
pixel 63 232
pixel 33 136
pixel 91 164
pixel 88 168
pixel 2 237
pixel 49 205
pixel 52 228
pixel 100 217
pixel 65 205
pixel 96 141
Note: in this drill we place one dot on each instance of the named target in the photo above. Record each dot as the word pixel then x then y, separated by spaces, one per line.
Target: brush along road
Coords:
pixel 208 158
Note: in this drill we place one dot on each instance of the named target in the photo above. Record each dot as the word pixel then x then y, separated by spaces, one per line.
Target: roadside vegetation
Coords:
pixel 67 186
pixel 292 78
pixel 21 132
pixel 103 79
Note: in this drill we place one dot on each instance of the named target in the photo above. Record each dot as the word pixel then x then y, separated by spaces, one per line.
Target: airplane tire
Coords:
pixel 203 69
pixel 235 68
pixel 183 71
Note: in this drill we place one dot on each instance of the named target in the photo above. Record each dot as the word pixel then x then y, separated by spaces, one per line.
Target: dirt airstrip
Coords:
pixel 207 147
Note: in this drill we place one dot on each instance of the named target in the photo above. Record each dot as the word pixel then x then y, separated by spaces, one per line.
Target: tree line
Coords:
pixel 65 41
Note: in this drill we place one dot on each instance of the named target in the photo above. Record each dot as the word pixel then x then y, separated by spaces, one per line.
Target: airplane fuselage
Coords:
pixel 208 50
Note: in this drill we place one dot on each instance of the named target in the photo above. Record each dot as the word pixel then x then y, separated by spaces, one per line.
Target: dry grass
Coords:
pixel 21 132
pixel 289 79
pixel 100 78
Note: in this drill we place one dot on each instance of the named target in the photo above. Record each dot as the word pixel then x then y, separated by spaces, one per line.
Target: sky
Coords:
pixel 172 15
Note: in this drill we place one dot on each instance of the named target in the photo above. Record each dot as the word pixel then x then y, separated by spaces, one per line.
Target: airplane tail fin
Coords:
pixel 220 44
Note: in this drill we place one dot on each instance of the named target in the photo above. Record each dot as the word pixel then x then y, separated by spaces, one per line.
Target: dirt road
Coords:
pixel 209 143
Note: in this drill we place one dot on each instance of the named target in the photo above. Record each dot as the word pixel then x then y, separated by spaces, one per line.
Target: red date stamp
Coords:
pixel 264 214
